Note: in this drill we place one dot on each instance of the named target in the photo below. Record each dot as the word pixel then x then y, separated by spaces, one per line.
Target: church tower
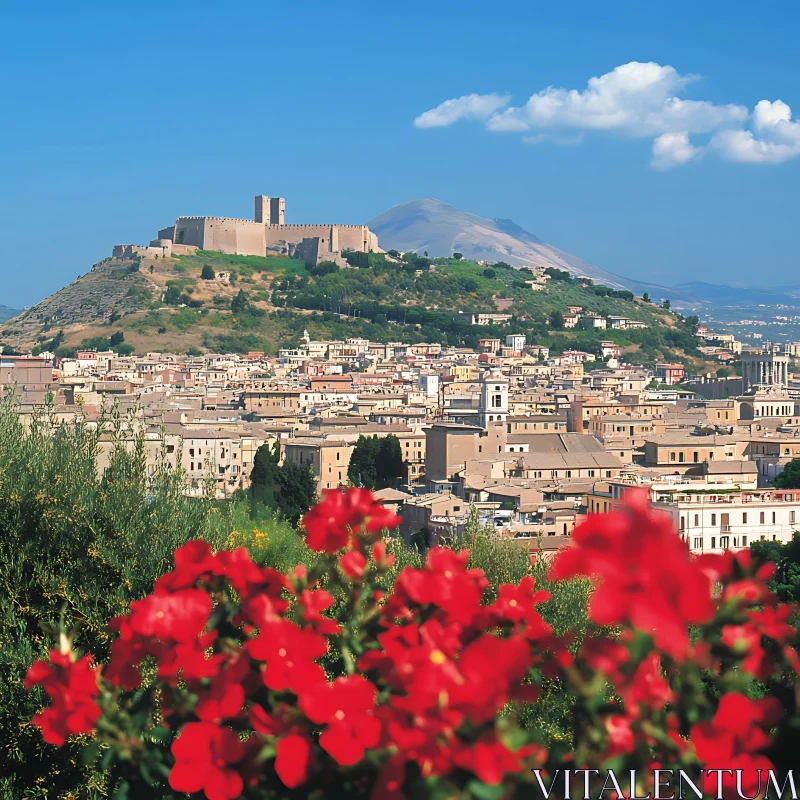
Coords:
pixel 494 399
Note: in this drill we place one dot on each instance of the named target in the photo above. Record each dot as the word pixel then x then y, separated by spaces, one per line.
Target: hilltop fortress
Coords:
pixel 266 233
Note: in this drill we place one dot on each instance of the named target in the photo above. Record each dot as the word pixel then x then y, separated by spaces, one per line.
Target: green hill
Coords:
pixel 165 304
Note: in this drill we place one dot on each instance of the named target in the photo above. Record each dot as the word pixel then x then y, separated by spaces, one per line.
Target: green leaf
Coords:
pixel 122 790
pixel 484 791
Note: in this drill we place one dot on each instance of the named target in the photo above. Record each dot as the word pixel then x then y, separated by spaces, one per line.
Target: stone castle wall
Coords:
pixel 254 237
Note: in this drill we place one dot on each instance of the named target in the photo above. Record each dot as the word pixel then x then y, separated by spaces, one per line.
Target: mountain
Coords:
pixel 8 313
pixel 723 295
pixel 429 224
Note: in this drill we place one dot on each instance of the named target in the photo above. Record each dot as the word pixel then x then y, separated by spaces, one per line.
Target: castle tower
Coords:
pixel 277 210
pixel 263 209
pixel 270 210
pixel 494 399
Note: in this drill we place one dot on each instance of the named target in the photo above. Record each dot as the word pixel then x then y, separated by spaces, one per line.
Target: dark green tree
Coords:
pixel 289 488
pixel 556 320
pixel 790 477
pixel 390 464
pixel 786 580
pixel 116 338
pixel 362 470
pixel 326 268
pixel 646 297
pixel 376 463
pixel 458 256
pixel 207 273
pixel 240 304
pixel 489 273
pixel 665 305
pixel 172 297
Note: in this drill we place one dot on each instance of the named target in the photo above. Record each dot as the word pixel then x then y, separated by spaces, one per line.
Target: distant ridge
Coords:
pixel 8 313
pixel 432 225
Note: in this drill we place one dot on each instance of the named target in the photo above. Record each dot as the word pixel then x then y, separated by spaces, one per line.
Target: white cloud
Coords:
pixel 673 150
pixel 470 106
pixel 637 100
pixel 777 139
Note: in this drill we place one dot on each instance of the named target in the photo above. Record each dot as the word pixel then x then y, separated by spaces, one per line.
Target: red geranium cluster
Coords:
pixel 334 678
pixel 71 684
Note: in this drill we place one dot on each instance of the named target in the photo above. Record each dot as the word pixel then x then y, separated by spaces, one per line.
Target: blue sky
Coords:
pixel 116 118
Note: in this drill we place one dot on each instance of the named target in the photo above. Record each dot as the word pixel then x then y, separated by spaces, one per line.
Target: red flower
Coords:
pixel 516 603
pixel 644 573
pixel 177 617
pixel 189 660
pixel 293 756
pixel 620 735
pixel 72 688
pixel 192 562
pixel 489 759
pixel 605 656
pixel 353 564
pixel 204 754
pixel 444 582
pixel 733 739
pixel 330 523
pixel 290 653
pixel 226 695
pixel 736 727
pixel 250 580
pixel 648 687
pixel 311 605
pixel 345 707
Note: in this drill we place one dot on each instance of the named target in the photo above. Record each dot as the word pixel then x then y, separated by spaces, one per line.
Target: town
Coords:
pixel 528 443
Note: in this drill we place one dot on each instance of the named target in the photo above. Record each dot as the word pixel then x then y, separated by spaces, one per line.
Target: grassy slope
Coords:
pixel 402 307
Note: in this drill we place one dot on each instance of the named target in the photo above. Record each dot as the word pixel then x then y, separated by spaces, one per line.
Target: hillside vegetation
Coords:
pixel 182 304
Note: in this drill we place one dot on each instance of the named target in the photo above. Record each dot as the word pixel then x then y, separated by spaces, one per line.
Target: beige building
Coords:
pixel 328 459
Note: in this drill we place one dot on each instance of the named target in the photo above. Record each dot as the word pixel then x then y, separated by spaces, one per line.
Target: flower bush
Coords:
pixel 233 680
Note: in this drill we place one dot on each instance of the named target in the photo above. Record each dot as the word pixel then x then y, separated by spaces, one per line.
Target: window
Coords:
pixel 672 456
pixel 723 541
pixel 744 518
pixel 713 519
pixel 791 517
pixel 680 457
pixel 683 524
pixel 744 541
pixel 695 457
pixel 698 542
pixel 696 520
pixel 761 520
pixel 713 542
pixel 456 508
pixel 773 517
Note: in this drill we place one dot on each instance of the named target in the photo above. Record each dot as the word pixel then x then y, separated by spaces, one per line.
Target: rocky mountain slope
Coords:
pixel 212 302
pixel 429 224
